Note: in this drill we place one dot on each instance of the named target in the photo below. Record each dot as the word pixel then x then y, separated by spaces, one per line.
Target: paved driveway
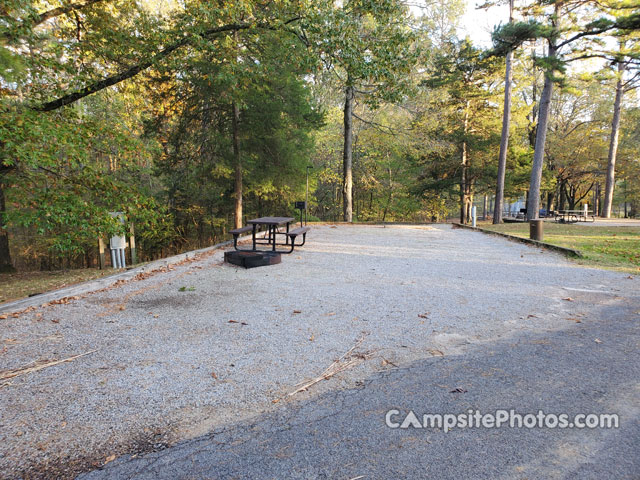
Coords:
pixel 435 320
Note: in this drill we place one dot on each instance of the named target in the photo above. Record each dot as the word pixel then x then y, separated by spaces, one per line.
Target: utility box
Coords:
pixel 117 245
pixel 117 242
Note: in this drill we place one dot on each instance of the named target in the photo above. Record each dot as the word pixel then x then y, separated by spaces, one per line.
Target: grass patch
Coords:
pixel 14 286
pixel 616 248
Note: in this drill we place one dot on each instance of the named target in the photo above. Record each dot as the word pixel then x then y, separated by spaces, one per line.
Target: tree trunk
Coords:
pixel 464 162
pixel 572 198
pixel 5 255
pixel 389 197
pixel 347 185
pixel 613 145
pixel 533 204
pixel 485 206
pixel 504 139
pixel 238 166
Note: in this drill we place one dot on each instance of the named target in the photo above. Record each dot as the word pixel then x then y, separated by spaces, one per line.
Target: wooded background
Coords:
pixel 192 116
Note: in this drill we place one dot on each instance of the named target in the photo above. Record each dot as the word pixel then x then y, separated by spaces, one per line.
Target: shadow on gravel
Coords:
pixel 342 434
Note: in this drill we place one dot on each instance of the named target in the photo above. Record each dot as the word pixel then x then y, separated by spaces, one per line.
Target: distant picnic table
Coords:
pixel 574 216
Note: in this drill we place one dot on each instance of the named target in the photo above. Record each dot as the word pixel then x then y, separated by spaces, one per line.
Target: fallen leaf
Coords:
pixel 311 338
pixel 110 458
pixel 577 320
pixel 424 315
pixel 597 340
pixel 297 311
pixel 275 401
pixel 532 316
pixel 156 316
pixel 122 307
pixel 568 299
pixel 213 374
pixel 55 320
pixel 330 314
pixel 4 316
pixel 386 362
pixel 630 277
pixel 233 321
pixel 435 352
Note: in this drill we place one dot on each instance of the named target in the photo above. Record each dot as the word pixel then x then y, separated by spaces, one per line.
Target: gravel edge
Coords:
pixel 569 252
pixel 105 282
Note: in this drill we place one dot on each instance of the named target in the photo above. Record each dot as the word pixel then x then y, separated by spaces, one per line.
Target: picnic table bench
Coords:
pixel 236 232
pixel 295 232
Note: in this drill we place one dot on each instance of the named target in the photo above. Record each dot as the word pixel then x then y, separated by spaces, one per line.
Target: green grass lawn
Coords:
pixel 14 286
pixel 608 247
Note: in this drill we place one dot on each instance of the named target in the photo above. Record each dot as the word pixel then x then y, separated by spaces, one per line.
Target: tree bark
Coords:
pixel 5 255
pixel 464 163
pixel 613 145
pixel 347 158
pixel 238 166
pixel 485 205
pixel 389 197
pixel 504 139
pixel 533 204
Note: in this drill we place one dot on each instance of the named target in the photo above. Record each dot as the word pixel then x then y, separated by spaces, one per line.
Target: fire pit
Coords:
pixel 251 259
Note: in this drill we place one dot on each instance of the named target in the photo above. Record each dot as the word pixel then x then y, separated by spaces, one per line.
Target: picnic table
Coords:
pixel 573 216
pixel 272 224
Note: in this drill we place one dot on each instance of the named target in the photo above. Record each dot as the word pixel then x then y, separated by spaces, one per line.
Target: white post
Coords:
pixel 585 209
pixel 473 216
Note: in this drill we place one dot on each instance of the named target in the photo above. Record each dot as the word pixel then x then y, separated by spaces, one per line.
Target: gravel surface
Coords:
pixel 171 365
pixel 341 434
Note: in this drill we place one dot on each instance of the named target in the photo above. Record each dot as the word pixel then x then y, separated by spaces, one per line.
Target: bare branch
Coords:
pixel 135 69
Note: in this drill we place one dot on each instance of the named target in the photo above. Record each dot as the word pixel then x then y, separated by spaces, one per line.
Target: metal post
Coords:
pixel 132 245
pixel 101 253
pixel 306 198
pixel 473 216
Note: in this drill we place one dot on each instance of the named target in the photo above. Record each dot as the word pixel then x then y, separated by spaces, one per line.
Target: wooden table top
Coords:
pixel 270 220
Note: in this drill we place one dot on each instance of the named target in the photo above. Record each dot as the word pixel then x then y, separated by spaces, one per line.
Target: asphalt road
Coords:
pixel 591 367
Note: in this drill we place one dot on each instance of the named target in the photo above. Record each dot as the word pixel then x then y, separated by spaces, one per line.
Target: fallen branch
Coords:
pixel 25 370
pixel 346 361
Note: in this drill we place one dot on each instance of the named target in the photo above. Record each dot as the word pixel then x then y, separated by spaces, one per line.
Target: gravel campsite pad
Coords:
pixel 174 355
